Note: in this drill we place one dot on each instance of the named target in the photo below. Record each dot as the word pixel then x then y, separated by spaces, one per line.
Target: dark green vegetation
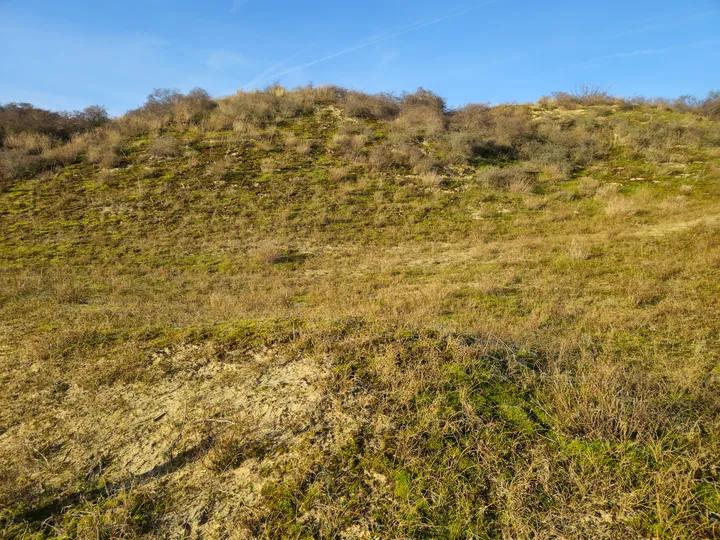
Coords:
pixel 319 313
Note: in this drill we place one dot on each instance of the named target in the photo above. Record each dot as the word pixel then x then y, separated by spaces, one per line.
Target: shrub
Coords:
pixel 520 178
pixel 29 143
pixel 166 106
pixel 711 105
pixel 327 93
pixel 512 126
pixel 583 96
pixel 476 119
pixel 166 146
pixel 103 155
pixel 488 132
pixel 14 164
pixel 18 118
pixel 371 106
pixel 193 108
pixel 419 121
pixel 262 107
pixel 381 157
pixel 423 98
pixel 570 146
pixel 463 147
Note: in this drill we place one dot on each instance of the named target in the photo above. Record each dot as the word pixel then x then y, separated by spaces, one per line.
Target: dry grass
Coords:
pixel 268 166
pixel 431 179
pixel 337 174
pixel 618 206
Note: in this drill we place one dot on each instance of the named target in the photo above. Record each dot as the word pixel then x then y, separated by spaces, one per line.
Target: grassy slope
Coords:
pixel 448 359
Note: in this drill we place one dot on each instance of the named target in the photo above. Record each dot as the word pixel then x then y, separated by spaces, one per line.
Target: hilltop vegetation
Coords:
pixel 323 313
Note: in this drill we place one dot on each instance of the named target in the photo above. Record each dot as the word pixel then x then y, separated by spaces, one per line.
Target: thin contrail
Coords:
pixel 266 74
pixel 652 27
pixel 342 52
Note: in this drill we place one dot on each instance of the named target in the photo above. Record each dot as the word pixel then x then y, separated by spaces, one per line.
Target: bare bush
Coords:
pixel 261 108
pixel 522 179
pixel 18 118
pixel 584 96
pixel 423 98
pixel 371 106
pixel 419 121
pixel 166 146
pixel 29 143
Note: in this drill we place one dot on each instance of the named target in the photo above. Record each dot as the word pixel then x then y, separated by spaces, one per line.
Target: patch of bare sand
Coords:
pixel 173 434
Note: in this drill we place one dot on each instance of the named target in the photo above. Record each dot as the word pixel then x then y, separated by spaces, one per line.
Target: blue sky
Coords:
pixel 70 54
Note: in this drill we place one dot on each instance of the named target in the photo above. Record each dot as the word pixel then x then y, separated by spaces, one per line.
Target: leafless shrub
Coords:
pixel 517 176
pixel 512 126
pixel 29 143
pixel 16 118
pixel 166 146
pixel 371 106
pixel 192 108
pixel 380 157
pixel 423 98
pixel 261 108
pixel 104 155
pixel 711 105
pixel 419 121
pixel 583 96
pixel 588 187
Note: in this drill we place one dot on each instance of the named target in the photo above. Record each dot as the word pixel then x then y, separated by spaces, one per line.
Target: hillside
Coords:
pixel 321 313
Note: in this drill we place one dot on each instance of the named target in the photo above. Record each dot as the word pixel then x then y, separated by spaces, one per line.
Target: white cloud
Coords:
pixel 222 59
